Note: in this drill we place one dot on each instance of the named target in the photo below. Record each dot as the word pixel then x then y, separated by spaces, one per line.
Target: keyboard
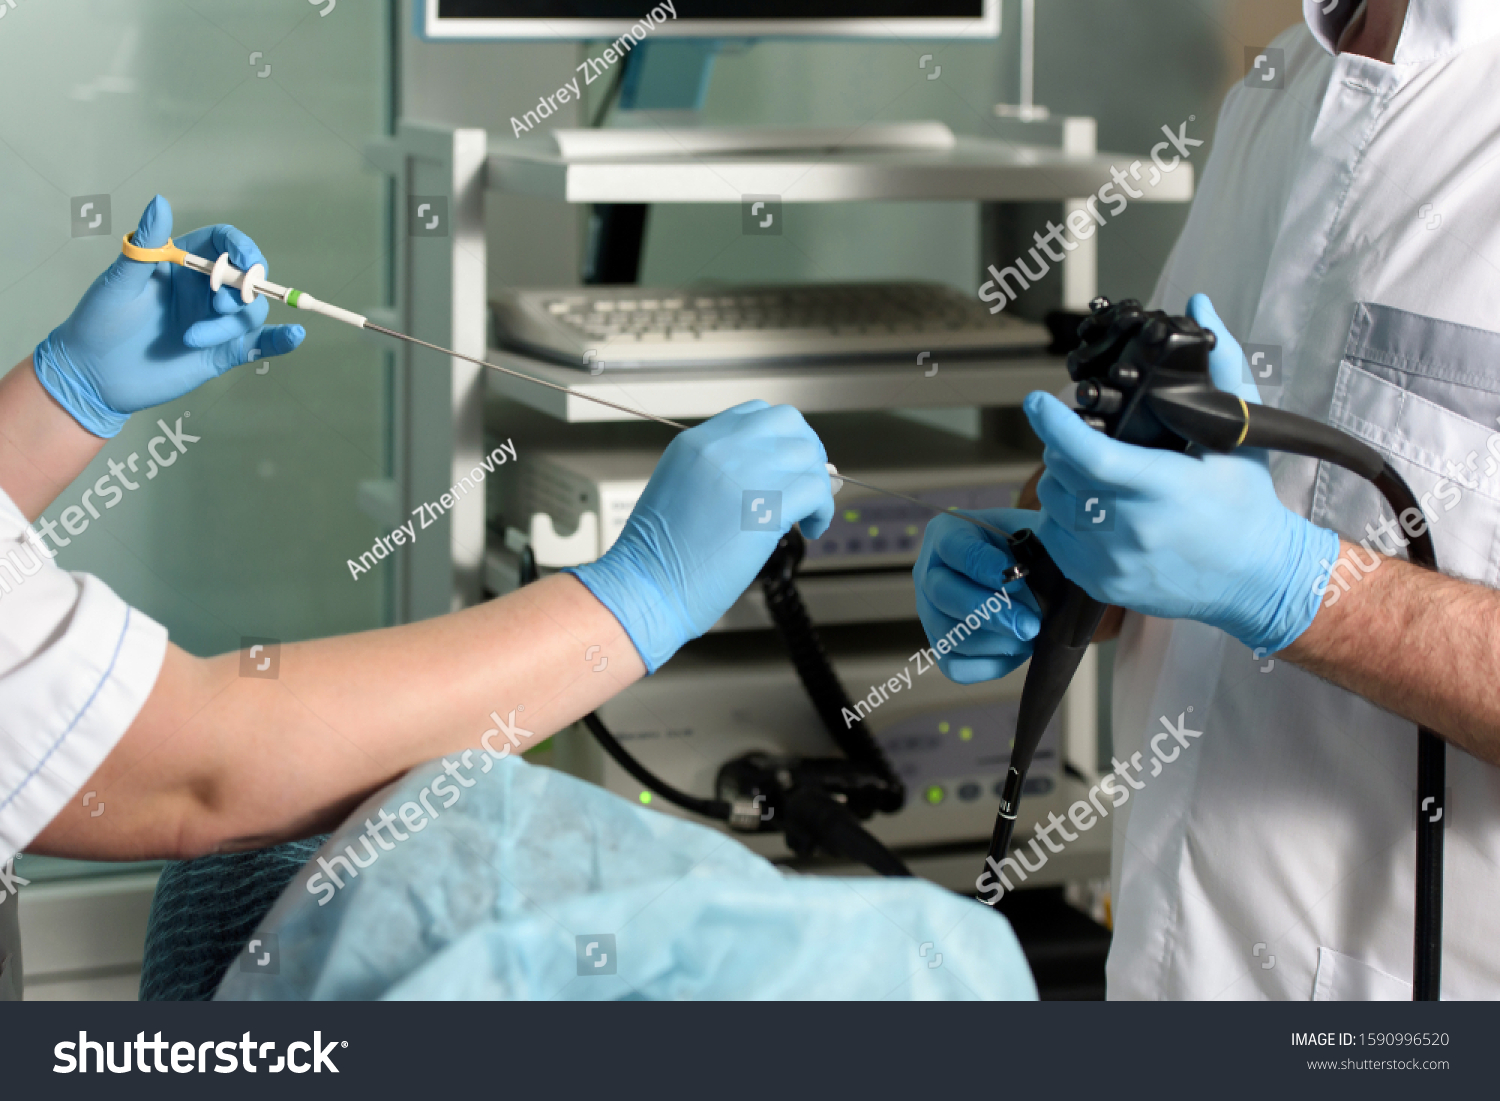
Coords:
pixel 594 328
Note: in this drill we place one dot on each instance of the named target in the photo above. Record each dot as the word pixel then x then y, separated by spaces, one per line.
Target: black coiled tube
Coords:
pixel 815 670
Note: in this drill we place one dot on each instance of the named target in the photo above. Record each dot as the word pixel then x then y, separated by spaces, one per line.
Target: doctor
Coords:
pixel 183 755
pixel 1348 226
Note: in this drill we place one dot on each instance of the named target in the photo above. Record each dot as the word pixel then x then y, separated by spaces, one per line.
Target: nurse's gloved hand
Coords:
pixel 1181 536
pixel 722 496
pixel 147 333
pixel 959 576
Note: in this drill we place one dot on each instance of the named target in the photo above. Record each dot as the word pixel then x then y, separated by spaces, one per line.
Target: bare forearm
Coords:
pixel 221 761
pixel 42 448
pixel 1423 645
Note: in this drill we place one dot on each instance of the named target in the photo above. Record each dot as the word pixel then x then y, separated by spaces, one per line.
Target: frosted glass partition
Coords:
pixel 254 114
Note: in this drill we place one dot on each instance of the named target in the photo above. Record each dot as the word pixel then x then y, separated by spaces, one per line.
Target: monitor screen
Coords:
pixel 597 19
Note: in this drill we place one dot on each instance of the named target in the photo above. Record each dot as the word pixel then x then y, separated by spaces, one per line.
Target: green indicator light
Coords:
pixel 645 798
pixel 874 531
pixel 911 529
pixel 966 733
pixel 934 794
pixel 943 727
pixel 852 515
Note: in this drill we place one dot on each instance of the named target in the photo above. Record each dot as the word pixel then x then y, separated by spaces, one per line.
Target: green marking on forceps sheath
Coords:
pixel 292 295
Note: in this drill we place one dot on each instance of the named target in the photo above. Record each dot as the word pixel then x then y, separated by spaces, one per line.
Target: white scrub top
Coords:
pixel 76 665
pixel 1348 223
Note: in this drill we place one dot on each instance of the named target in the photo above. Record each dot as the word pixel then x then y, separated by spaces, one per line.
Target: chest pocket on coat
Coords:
pixel 1426 395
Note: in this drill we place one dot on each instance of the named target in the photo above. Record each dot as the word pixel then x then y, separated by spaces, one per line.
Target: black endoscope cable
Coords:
pixel 709 808
pixel 1209 420
pixel 815 669
pixel 819 817
pixel 717 809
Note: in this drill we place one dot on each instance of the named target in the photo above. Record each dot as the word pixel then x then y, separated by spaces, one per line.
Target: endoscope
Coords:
pixel 1143 378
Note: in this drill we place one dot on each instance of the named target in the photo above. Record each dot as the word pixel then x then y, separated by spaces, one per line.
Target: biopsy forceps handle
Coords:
pixel 221 273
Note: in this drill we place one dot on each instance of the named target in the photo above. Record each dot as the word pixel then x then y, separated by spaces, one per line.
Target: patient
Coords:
pixel 479 876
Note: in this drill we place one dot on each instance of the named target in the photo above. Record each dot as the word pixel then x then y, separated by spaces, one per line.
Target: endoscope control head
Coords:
pixel 1135 368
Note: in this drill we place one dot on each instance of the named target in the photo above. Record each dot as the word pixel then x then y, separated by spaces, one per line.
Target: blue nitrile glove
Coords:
pixel 717 503
pixel 1182 536
pixel 147 333
pixel 958 576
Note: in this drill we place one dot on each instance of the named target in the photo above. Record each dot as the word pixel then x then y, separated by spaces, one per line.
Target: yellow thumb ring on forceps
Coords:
pixel 169 252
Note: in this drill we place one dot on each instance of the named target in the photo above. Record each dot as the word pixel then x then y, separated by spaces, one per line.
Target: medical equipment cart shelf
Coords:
pixel 980 169
pixel 679 393
pixel 442 296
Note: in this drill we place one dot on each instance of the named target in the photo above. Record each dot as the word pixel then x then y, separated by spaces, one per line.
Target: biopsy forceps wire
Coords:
pixel 222 273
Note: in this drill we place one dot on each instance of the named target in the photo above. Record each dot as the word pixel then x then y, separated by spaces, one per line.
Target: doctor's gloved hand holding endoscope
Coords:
pixel 1179 536
pixel 672 572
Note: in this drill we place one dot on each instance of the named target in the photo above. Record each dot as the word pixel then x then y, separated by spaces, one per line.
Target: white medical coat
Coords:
pixel 1347 223
pixel 76 665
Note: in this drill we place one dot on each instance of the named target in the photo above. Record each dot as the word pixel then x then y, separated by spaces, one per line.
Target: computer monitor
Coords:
pixel 467 20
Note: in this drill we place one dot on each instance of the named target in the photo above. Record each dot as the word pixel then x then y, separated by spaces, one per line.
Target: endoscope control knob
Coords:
pixel 1103 400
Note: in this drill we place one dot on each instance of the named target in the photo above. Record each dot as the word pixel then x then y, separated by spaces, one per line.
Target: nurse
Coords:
pixel 183 755
pixel 1347 225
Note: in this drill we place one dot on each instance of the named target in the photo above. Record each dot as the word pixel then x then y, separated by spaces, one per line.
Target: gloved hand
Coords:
pixel 1187 536
pixel 722 496
pixel 145 333
pixel 960 567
